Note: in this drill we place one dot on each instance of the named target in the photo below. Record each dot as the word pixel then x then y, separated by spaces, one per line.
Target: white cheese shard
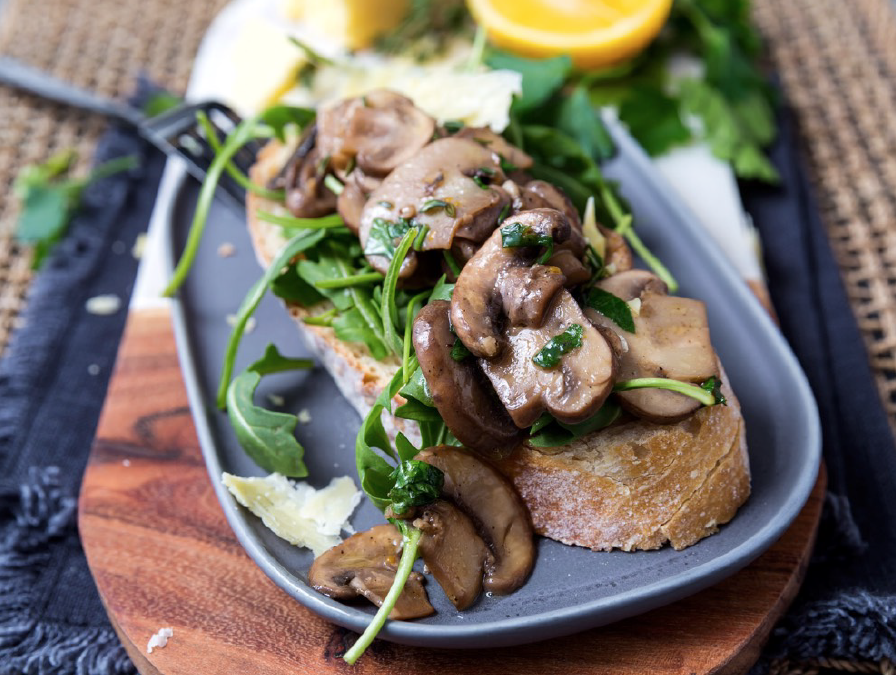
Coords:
pixel 297 512
pixel 160 639
pixel 103 305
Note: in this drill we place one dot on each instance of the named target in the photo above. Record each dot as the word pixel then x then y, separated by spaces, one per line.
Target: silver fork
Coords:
pixel 175 132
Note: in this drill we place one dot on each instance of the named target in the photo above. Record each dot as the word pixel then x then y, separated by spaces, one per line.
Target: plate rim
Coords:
pixel 553 623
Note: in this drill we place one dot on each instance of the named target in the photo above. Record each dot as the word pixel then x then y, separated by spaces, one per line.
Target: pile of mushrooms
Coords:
pixel 399 168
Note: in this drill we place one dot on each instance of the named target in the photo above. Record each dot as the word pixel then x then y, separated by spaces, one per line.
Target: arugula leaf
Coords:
pixel 290 250
pixel 516 235
pixel 49 199
pixel 415 484
pixel 459 351
pixel 653 118
pixel 384 236
pixel 714 386
pixel 550 355
pixel 614 308
pixel 442 290
pixel 291 287
pixel 541 77
pixel 265 435
pixel 577 117
pixel 548 432
pixel 160 102
pixel 281 117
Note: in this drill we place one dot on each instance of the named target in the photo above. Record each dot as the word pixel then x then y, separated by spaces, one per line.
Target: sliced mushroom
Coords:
pixel 671 340
pixel 539 194
pixel 380 130
pixel 306 194
pixel 462 395
pixel 490 500
pixel 489 139
pixel 617 256
pixel 497 279
pixel 450 186
pixel 452 551
pixel 357 186
pixel 365 565
pixel 573 390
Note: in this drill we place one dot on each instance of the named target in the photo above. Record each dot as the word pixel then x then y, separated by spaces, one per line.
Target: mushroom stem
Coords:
pixel 702 395
pixel 408 556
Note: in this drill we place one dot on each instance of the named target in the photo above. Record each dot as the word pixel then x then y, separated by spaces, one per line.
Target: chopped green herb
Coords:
pixel 451 262
pixel 614 308
pixel 435 204
pixel 384 235
pixel 352 163
pixel 265 435
pixel 515 235
pixel 550 355
pixel 714 386
pixel 453 126
pixel 420 239
pixel 506 165
pixel 504 213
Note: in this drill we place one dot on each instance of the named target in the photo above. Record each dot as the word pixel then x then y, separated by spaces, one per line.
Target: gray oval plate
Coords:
pixel 571 588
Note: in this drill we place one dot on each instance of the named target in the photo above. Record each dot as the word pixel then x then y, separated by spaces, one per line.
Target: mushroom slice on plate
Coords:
pixel 365 565
pixel 671 340
pixel 451 186
pixel 505 282
pixel 539 194
pixel 306 194
pixel 493 504
pixel 462 395
pixel 379 131
pixel 452 551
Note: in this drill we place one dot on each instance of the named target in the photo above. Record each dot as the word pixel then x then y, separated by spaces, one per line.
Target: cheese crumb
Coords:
pixel 103 305
pixel 304 416
pixel 139 246
pixel 276 400
pixel 160 639
pixel 226 250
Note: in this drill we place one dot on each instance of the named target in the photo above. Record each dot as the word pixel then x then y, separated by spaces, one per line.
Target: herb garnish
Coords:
pixel 550 355
pixel 265 435
pixel 384 235
pixel 459 351
pixel 416 483
pixel 435 204
pixel 548 432
pixel 50 198
pixel 483 176
pixel 515 235
pixel 707 393
pixel 613 307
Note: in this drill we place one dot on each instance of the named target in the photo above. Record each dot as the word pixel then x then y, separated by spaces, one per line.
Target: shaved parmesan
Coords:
pixel 297 512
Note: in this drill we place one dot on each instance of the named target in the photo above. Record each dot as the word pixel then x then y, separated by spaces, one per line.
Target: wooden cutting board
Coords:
pixel 163 555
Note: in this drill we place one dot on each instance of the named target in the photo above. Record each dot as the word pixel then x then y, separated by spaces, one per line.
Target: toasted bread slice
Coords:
pixel 635 485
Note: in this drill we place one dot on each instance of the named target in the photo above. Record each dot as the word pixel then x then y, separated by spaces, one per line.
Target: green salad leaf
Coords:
pixel 265 435
pixel 548 432
pixel 416 484
pixel 614 308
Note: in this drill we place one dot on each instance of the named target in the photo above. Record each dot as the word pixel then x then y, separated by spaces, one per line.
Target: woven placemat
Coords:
pixel 102 45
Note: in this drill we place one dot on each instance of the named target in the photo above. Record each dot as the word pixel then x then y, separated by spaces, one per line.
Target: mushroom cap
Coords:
pixel 380 130
pixel 453 551
pixel 365 565
pixel 573 390
pixel 539 194
pixel 498 144
pixel 493 504
pixel 462 395
pixel 442 171
pixel 306 194
pixel 498 279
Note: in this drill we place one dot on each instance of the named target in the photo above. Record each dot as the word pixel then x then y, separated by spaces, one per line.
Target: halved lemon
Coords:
pixel 593 32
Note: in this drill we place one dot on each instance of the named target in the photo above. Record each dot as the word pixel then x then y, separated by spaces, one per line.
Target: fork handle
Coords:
pixel 16 74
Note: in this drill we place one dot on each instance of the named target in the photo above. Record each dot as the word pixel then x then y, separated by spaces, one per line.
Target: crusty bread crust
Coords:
pixel 635 485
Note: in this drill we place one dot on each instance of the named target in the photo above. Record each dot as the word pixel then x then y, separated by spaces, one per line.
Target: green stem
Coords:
pixel 324 319
pixel 237 175
pixel 452 263
pixel 389 310
pixel 623 222
pixel 408 556
pixel 242 134
pixel 686 388
pixel 333 184
pixel 406 370
pixel 293 223
pixel 350 280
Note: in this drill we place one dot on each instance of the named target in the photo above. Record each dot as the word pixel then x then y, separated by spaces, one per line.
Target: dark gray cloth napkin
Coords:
pixel 54 377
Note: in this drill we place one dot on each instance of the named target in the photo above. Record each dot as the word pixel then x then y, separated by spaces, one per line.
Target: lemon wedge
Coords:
pixel 593 32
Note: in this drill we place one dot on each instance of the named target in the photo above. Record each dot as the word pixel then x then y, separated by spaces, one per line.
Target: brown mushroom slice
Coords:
pixel 350 203
pixel 380 130
pixel 452 551
pixel 489 139
pixel 478 305
pixel 306 194
pixel 617 256
pixel 436 188
pixel 573 390
pixel 493 504
pixel 539 194
pixel 671 339
pixel 631 284
pixel 571 266
pixel 365 564
pixel 462 395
